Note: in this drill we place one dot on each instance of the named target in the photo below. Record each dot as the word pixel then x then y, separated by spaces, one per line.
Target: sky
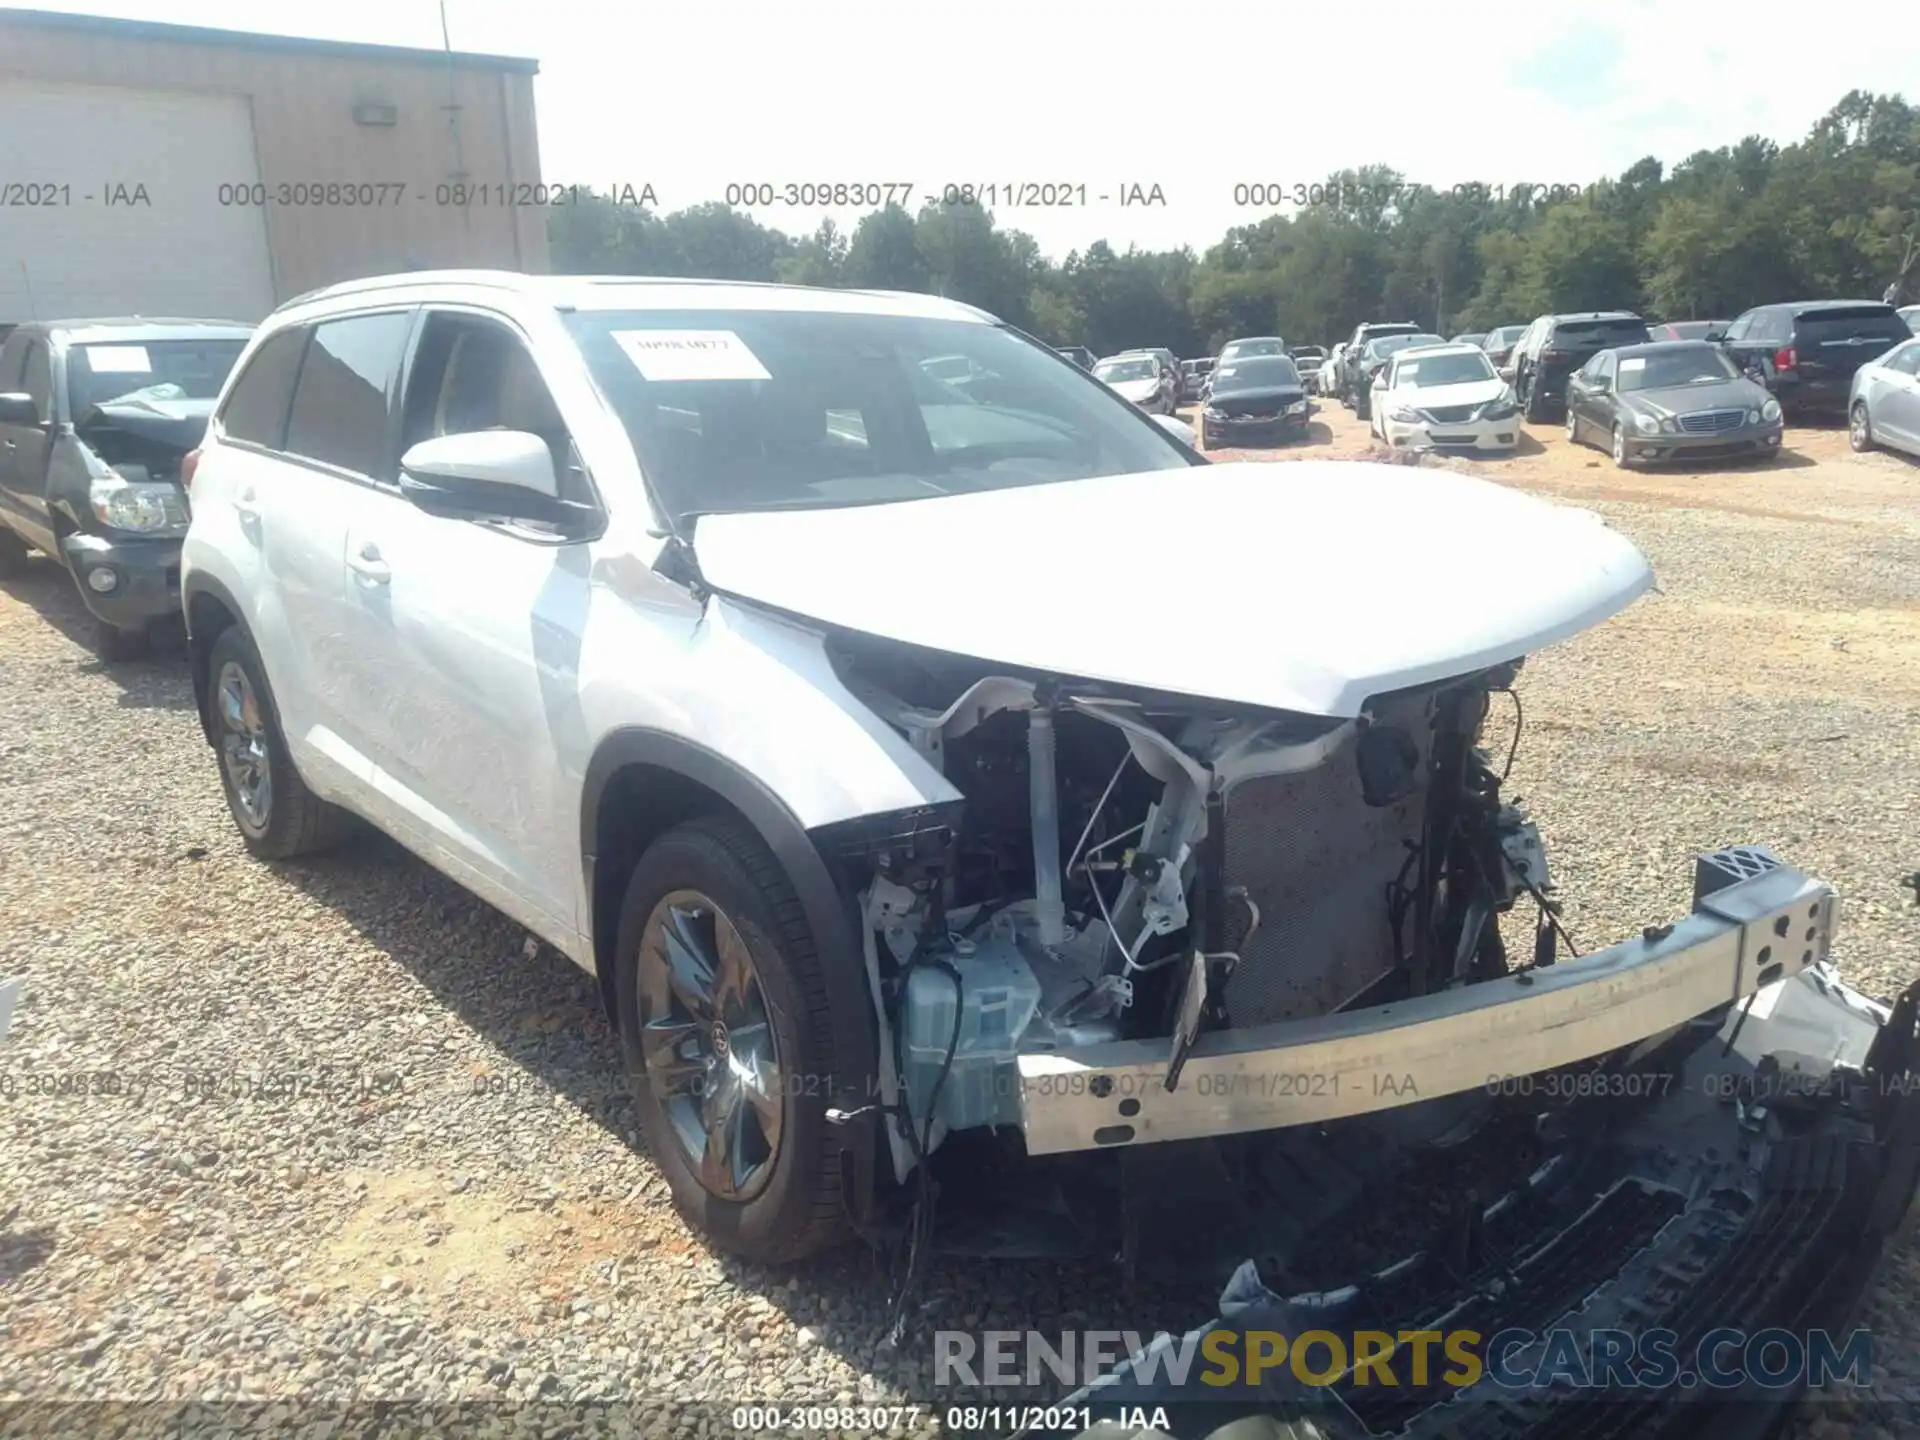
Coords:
pixel 1194 98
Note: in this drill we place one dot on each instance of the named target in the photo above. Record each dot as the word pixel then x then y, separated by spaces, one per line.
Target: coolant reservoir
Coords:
pixel 998 1000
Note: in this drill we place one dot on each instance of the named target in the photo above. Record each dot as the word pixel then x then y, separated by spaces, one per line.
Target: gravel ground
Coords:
pixel 452 1204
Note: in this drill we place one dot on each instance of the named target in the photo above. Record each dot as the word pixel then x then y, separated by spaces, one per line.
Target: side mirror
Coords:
pixel 486 475
pixel 17 408
pixel 1178 428
pixel 1715 337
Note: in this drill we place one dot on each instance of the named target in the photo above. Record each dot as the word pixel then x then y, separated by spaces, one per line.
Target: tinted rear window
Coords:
pixel 257 409
pixel 1852 322
pixel 1599 334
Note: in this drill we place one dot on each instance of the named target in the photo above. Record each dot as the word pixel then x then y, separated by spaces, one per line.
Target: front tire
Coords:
pixel 725 1021
pixel 1620 448
pixel 1860 428
pixel 278 817
pixel 115 644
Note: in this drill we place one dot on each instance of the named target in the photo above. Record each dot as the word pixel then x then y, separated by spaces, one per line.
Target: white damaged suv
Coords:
pixel 920 768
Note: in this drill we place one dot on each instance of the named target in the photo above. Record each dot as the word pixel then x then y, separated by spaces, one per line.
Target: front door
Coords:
pixel 24 449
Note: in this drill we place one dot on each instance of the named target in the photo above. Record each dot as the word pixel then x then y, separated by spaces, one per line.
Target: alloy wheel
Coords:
pixel 1619 445
pixel 243 745
pixel 1859 428
pixel 709 1046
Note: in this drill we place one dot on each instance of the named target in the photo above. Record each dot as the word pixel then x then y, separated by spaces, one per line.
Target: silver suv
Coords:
pixel 911 765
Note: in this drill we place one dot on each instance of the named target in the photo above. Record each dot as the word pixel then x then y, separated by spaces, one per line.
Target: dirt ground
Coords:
pixel 513 1240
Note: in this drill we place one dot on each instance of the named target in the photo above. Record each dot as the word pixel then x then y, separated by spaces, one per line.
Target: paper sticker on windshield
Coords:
pixel 118 360
pixel 1631 363
pixel 691 355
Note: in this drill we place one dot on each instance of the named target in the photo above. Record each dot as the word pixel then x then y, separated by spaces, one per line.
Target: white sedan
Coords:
pixel 1444 397
pixel 1141 379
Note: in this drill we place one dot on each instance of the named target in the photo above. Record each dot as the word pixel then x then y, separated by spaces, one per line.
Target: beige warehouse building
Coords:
pixel 170 170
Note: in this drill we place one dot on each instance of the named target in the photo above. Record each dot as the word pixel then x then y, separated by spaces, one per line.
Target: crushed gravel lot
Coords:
pixel 451 1203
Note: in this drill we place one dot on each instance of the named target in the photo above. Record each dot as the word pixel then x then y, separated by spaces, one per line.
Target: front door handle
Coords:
pixel 367 564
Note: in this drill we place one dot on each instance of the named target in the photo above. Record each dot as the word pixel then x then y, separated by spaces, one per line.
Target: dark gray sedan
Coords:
pixel 1677 400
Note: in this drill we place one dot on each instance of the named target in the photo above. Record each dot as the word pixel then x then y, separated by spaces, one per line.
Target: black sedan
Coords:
pixel 1675 400
pixel 1259 397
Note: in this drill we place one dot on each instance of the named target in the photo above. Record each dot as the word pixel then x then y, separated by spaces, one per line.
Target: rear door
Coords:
pixel 339 445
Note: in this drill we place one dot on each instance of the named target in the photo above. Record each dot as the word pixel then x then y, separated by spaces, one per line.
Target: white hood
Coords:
pixel 1134 390
pixel 1306 586
pixel 1439 397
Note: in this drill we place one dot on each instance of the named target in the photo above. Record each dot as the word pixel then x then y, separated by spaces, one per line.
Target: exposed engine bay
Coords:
pixel 1130 989
pixel 1130 867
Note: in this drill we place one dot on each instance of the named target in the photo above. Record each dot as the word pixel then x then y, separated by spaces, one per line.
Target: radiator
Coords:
pixel 1317 860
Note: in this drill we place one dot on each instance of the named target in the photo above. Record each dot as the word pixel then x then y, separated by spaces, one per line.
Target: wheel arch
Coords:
pixel 641 783
pixel 210 611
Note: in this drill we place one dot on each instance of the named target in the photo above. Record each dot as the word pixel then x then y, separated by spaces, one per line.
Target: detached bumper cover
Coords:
pixel 1771 921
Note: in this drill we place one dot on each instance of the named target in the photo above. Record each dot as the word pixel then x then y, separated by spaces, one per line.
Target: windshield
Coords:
pixel 1239 348
pixel 150 370
pixel 1388 344
pixel 1258 372
pixel 1458 369
pixel 1683 364
pixel 1117 371
pixel 738 410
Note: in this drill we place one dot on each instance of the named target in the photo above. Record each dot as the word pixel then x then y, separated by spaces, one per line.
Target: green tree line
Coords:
pixel 1836 213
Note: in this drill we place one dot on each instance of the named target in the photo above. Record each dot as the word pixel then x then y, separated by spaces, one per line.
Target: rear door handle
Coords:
pixel 365 562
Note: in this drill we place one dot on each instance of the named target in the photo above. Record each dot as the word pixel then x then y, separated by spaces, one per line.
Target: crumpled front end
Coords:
pixel 1222 991
pixel 1737 1175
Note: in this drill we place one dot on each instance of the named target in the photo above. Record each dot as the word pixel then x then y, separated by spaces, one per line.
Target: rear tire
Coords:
pixel 1531 409
pixel 1860 428
pixel 279 818
pixel 717 869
